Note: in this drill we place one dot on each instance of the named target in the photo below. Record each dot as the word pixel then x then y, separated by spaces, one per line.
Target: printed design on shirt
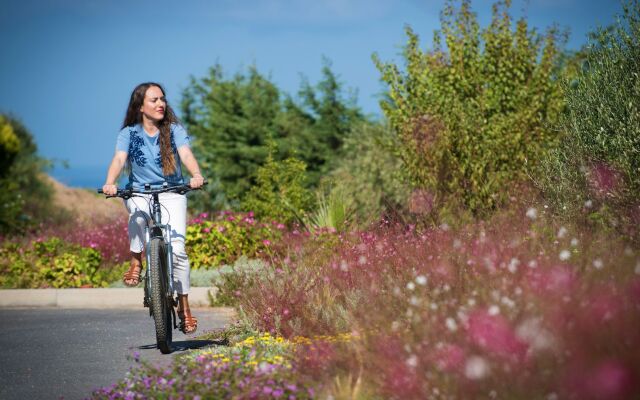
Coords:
pixel 135 148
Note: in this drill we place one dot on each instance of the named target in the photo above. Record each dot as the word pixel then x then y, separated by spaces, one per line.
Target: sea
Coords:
pixel 87 177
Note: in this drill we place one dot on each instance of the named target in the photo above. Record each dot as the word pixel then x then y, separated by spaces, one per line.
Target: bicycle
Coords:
pixel 158 287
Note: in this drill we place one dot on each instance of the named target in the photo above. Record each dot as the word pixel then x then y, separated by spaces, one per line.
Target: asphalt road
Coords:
pixel 63 353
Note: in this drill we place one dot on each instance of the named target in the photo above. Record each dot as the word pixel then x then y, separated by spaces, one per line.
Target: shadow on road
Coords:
pixel 185 345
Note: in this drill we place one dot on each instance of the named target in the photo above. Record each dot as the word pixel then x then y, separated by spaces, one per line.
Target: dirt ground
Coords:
pixel 84 203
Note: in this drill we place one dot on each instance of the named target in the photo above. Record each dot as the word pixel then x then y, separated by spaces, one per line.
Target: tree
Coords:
pixel 475 115
pixel 596 168
pixel 232 120
pixel 25 196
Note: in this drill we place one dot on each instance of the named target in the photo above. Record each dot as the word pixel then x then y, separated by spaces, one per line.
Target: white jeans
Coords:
pixel 174 213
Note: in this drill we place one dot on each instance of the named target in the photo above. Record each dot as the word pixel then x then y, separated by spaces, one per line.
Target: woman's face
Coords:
pixel 154 104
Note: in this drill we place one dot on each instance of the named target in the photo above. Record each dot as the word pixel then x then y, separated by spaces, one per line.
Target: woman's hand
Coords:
pixel 109 190
pixel 196 181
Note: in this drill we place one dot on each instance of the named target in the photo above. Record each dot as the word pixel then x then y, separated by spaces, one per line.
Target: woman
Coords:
pixel 153 144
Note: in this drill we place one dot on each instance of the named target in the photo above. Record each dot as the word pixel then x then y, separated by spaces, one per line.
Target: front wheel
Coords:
pixel 161 308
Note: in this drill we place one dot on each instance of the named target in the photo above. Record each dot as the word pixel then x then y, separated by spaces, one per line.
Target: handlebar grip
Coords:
pixel 100 191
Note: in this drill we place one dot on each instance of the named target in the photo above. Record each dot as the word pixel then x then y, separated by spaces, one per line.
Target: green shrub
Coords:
pixel 368 177
pixel 212 243
pixel 50 263
pixel 280 193
pixel 26 196
pixel 230 280
pixel 597 166
pixel 476 112
pixel 331 213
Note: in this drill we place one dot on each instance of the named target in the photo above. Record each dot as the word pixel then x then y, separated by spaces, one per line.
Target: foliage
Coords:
pixel 25 197
pixel 107 236
pixel 280 192
pixel 223 238
pixel 230 280
pixel 598 162
pixel 9 146
pixel 331 213
pixel 475 113
pixel 256 368
pixel 513 306
pixel 51 263
pixel 233 119
pixel 368 176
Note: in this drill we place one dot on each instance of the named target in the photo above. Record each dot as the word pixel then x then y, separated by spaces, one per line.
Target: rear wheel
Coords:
pixel 160 303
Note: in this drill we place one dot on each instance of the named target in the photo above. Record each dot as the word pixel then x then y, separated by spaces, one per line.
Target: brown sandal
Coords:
pixel 133 274
pixel 188 323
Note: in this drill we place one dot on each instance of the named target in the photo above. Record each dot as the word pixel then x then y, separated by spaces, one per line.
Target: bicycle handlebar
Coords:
pixel 128 193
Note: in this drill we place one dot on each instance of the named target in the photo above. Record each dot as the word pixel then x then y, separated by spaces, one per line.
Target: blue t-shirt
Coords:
pixel 144 155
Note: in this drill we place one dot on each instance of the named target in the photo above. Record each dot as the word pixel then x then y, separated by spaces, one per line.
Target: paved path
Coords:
pixel 62 353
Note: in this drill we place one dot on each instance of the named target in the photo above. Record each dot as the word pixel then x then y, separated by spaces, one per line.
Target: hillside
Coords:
pixel 85 204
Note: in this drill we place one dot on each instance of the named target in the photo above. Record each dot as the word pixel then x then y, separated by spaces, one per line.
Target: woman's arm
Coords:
pixel 114 171
pixel 189 161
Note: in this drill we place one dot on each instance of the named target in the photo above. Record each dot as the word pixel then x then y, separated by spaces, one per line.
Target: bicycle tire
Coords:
pixel 160 306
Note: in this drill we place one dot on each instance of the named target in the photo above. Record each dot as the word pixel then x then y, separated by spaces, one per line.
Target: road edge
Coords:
pixel 90 298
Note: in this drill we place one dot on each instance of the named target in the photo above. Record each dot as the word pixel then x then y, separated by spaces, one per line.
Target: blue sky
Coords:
pixel 68 66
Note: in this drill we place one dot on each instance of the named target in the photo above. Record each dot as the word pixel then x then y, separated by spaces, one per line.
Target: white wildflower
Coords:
pixel 471 302
pixel 532 213
pixel 411 285
pixel 513 265
pixel 533 264
pixel 508 302
pixel 451 324
pixel 421 280
pixel 588 204
pixel 362 260
pixel 564 255
pixel 562 232
pixel 433 306
pixel 531 331
pixel 344 266
pixel 476 368
pixel 414 301
pixel 598 264
pixel 494 310
pixel 395 325
pixel 457 243
pixel 462 316
pixel 574 242
pixel 412 361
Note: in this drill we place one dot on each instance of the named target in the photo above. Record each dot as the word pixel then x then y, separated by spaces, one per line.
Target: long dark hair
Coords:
pixel 134 116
